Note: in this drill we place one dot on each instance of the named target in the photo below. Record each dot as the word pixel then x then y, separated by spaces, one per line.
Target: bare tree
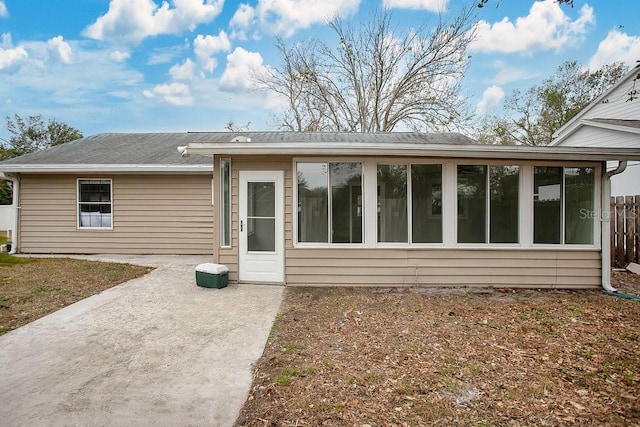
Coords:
pixel 374 79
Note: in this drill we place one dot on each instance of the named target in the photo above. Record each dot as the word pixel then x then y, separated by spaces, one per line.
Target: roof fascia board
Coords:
pixel 610 126
pixel 444 151
pixel 66 168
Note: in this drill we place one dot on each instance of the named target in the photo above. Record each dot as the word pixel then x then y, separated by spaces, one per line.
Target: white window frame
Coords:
pixel 328 162
pixel 225 212
pixel 408 163
pixel 487 243
pixel 597 177
pixel 78 203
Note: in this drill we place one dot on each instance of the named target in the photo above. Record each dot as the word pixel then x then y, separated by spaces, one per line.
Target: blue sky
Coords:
pixel 183 65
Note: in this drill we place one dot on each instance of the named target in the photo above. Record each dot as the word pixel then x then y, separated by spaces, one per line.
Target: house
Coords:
pixel 611 120
pixel 316 209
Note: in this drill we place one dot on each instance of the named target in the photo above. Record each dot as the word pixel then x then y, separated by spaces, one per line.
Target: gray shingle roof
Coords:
pixel 161 148
pixel 115 149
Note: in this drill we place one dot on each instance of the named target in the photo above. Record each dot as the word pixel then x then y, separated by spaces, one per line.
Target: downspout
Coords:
pixel 606 226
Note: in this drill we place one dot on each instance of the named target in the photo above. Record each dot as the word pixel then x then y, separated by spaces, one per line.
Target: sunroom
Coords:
pixel 408 210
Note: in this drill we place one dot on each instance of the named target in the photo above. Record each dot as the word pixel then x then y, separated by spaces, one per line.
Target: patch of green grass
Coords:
pixel 8 260
pixel 575 310
pixel 285 377
pixel 272 331
pixel 45 288
pixel 329 363
pixel 283 380
pixel 370 378
pixel 288 347
pixel 405 388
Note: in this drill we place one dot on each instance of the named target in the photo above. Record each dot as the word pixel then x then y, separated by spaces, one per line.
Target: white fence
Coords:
pixel 6 217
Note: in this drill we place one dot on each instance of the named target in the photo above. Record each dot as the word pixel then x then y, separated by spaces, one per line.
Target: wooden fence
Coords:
pixel 625 230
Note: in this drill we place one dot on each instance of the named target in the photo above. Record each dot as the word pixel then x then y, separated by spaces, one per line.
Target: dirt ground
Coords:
pixel 32 288
pixel 340 357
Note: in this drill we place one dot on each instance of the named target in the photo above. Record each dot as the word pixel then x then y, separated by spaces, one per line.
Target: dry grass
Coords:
pixel 32 288
pixel 339 357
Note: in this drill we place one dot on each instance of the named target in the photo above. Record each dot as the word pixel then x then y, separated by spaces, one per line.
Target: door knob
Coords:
pixel 240 225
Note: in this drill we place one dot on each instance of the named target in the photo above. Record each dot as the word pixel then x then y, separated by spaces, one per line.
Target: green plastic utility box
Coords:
pixel 210 275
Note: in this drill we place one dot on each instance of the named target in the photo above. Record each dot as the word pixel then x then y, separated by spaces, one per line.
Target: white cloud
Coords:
pixel 119 55
pixel 490 99
pixel 243 19
pixel 184 71
pixel 11 57
pixel 284 17
pixel 240 65
pixel 167 54
pixel 545 28
pixel 616 47
pixel 3 9
pixel 174 93
pixel 205 47
pixel 61 49
pixel 505 73
pixel 430 5
pixel 131 21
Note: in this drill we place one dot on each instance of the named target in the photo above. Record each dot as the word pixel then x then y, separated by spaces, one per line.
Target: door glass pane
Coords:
pixel 346 202
pixel 313 202
pixel 547 204
pixel 392 203
pixel 503 186
pixel 426 203
pixel 579 200
pixel 472 204
pixel 261 223
pixel 261 199
pixel 261 234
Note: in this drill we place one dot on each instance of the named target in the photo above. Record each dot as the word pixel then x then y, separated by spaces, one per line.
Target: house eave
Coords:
pixel 594 124
pixel 413 150
pixel 100 168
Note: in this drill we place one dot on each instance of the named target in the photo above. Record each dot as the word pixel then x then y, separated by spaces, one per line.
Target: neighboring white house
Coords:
pixel 612 120
pixel 7 213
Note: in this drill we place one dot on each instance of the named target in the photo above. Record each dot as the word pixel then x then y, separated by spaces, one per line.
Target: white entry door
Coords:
pixel 261 246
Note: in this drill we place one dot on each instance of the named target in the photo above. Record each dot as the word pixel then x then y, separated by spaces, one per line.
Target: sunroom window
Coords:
pixel 329 202
pixel 426 203
pixel 392 203
pixel 488 192
pixel 563 205
pixel 418 187
pixel 94 203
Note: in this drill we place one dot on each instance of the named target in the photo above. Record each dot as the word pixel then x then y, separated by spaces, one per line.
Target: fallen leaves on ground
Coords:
pixel 381 357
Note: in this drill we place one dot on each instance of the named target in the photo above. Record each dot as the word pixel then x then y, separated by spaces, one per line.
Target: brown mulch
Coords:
pixel 373 357
pixel 36 287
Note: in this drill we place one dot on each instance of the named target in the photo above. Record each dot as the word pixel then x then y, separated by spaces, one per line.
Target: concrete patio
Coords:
pixel 157 350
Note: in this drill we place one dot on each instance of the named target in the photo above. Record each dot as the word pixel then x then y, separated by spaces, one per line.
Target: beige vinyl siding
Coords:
pixel 436 267
pixel 152 214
